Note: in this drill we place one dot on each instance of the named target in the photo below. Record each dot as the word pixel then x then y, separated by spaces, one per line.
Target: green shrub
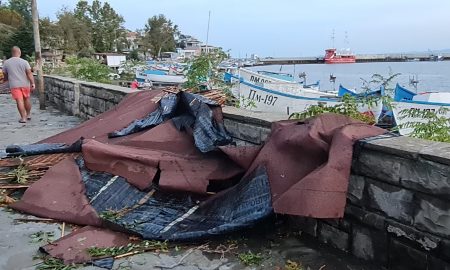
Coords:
pixel 88 69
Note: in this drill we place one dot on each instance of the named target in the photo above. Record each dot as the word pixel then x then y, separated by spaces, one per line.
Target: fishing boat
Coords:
pixel 287 101
pixel 159 77
pixel 333 56
pixel 263 77
pixel 278 75
pixel 405 99
pixel 346 91
pixel 278 83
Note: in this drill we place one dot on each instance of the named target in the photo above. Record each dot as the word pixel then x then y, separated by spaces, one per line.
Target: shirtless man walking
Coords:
pixel 21 82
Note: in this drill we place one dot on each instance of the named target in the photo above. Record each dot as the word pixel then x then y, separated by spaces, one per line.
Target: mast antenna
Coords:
pixel 207 32
pixel 332 38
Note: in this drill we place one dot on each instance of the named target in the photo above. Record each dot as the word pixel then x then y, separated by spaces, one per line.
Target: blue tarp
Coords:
pixel 43 148
pixel 154 214
pixel 187 111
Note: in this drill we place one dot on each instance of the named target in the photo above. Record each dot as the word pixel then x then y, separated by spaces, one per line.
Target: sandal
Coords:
pixel 22 121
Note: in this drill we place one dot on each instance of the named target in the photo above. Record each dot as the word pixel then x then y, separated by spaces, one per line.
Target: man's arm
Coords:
pixel 5 76
pixel 31 78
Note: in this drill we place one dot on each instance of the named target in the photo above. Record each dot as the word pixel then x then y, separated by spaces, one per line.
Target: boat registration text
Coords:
pixel 261 98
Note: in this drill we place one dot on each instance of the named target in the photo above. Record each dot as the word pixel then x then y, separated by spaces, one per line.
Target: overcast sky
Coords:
pixel 295 27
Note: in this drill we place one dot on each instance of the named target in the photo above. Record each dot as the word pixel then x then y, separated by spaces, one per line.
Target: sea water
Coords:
pixel 432 76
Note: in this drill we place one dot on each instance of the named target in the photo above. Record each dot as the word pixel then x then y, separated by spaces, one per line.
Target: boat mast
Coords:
pixel 347 43
pixel 332 39
pixel 207 31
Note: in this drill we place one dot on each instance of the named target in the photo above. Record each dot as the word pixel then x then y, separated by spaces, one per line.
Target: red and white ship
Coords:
pixel 332 56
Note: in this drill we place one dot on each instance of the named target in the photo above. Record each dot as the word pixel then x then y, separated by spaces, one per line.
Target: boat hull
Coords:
pixel 161 78
pixel 267 100
pixel 340 61
pixel 256 78
pixel 400 106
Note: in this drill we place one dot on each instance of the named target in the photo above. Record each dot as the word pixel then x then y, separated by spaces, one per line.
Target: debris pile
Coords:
pixel 161 166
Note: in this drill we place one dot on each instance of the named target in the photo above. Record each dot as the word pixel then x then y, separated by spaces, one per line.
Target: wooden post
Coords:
pixel 38 56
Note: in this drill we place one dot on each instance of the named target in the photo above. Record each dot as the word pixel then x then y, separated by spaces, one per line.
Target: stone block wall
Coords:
pixel 83 99
pixel 61 93
pixel 398 202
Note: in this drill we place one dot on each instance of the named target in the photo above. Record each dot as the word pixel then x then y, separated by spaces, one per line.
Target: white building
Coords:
pixel 112 60
pixel 209 48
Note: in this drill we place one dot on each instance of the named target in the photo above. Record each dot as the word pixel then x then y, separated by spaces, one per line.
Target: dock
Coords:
pixel 360 58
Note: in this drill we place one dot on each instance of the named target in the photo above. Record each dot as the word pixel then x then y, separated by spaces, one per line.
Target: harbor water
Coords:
pixel 432 76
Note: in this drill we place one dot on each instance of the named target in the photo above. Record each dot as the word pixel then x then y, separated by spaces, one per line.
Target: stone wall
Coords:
pixel 398 203
pixel 83 99
pixel 398 211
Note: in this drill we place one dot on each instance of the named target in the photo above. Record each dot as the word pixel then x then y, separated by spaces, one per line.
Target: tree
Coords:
pixel 23 7
pixel 6 32
pixel 160 35
pixel 10 17
pixel 202 72
pixel 51 34
pixel 23 38
pixel 75 33
pixel 134 55
pixel 105 24
pixel 88 69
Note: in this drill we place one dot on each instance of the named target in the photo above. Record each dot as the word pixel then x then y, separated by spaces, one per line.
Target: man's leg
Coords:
pixel 22 110
pixel 17 95
pixel 27 103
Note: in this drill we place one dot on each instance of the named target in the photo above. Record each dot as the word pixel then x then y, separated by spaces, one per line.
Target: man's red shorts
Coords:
pixel 20 93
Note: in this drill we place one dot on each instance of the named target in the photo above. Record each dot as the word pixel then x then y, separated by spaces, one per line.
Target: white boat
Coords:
pixel 296 89
pixel 256 78
pixel 407 100
pixel 271 82
pixel 158 76
pixel 269 100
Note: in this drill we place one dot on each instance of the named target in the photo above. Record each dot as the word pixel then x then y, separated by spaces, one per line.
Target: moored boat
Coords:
pixel 159 77
pixel 421 102
pixel 273 83
pixel 263 77
pixel 343 91
pixel 270 100
pixel 333 56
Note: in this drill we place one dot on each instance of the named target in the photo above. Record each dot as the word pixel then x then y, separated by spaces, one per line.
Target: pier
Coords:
pixel 361 58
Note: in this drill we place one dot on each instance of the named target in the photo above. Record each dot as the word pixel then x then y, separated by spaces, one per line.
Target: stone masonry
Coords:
pixel 398 203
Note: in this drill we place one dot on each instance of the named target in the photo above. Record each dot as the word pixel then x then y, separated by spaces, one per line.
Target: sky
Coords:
pixel 295 28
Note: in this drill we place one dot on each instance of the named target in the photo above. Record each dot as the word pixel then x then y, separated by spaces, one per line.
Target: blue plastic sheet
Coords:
pixel 44 148
pixel 186 111
pixel 159 215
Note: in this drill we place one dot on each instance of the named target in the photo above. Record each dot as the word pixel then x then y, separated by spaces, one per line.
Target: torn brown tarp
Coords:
pixel 132 107
pixel 308 163
pixel 60 195
pixel 73 247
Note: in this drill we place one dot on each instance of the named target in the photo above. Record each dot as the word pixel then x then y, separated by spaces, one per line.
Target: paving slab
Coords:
pixel 43 124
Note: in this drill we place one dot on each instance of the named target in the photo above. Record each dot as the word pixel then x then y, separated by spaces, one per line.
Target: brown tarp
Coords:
pixel 308 163
pixel 73 247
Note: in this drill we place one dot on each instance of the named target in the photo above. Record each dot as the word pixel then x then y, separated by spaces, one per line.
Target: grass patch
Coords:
pixel 41 236
pixel 21 174
pixel 54 264
pixel 110 215
pixel 249 258
pixel 144 246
